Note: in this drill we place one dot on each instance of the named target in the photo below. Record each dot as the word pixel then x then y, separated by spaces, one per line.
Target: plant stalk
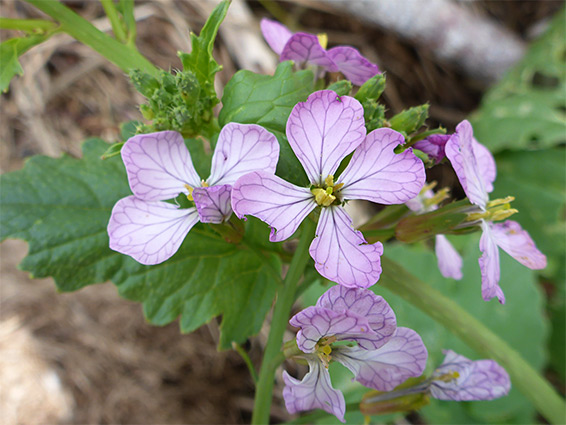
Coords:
pixel 273 351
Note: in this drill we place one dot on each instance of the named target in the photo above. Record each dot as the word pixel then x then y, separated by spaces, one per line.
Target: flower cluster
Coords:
pixel 382 356
pixel 304 48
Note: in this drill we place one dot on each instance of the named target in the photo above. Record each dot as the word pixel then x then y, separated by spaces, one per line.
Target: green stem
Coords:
pixel 246 359
pixel 112 13
pixel 130 21
pixel 119 54
pixel 273 355
pixel 547 401
pixel 29 25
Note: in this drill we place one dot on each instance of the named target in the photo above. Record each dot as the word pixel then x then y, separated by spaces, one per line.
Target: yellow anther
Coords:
pixel 329 181
pixel 447 377
pixel 437 198
pixel 329 190
pixel 322 198
pixel 327 349
pixel 502 201
pixel 338 187
pixel 503 214
pixel 323 40
pixel 203 183
pixel 428 186
pixel 190 195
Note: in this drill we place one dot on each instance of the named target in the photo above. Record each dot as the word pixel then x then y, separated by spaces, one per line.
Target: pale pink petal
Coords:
pixel 486 164
pixel 316 323
pixel 517 242
pixel 150 232
pixel 213 203
pixel 377 174
pixel 305 48
pixel 323 130
pixel 364 303
pixel 159 165
pixel 472 164
pixel 403 357
pixel 241 149
pixel 313 392
pixel 352 64
pixel 489 266
pixel 280 204
pixel 341 254
pixel 276 34
pixel 476 380
pixel 434 146
pixel 449 260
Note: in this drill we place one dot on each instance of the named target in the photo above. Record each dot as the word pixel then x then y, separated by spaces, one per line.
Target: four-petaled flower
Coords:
pixel 382 356
pixel 475 167
pixel 302 48
pixel 449 260
pixel 461 379
pixel 322 131
pixel 159 168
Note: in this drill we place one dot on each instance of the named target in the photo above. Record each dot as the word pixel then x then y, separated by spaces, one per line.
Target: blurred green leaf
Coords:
pixel 10 51
pixel 527 109
pixel 267 100
pixel 61 208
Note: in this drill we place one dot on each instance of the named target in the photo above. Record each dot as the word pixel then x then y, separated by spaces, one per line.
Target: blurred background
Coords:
pixel 90 357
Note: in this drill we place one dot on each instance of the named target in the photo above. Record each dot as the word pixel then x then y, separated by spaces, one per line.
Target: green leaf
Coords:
pixel 10 51
pixel 410 120
pixel 200 60
pixel 540 199
pixel 266 100
pixel 62 206
pixel 527 109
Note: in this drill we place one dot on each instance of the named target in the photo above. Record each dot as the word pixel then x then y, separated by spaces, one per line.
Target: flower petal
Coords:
pixel 377 174
pixel 404 356
pixel 477 380
pixel 352 64
pixel 276 34
pixel 159 165
pixel 280 204
pixel 341 254
pixel 364 303
pixel 305 48
pixel 213 203
pixel 313 392
pixel 150 232
pixel 241 149
pixel 517 242
pixel 434 146
pixel 449 260
pixel 489 266
pixel 474 165
pixel 323 130
pixel 317 323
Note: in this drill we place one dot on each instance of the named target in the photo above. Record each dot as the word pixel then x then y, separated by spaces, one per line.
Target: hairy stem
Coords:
pixel 126 58
pixel 398 280
pixel 273 352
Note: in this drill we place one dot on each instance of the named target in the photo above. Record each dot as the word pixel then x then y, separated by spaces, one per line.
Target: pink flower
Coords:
pixel 322 131
pixel 159 168
pixel 302 48
pixel 475 167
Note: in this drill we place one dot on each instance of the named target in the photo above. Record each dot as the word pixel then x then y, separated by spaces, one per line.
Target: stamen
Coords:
pixel 447 377
pixel 323 40
pixel 438 197
pixel 322 197
pixel 500 201
pixel 190 195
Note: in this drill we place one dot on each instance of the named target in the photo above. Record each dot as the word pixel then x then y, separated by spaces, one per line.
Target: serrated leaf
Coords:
pixel 10 51
pixel 62 206
pixel 267 100
pixel 200 60
pixel 527 108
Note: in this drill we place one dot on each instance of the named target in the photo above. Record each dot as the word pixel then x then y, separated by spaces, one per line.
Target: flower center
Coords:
pixel 497 210
pixel 448 377
pixel 325 195
pixel 190 189
pixel 324 350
